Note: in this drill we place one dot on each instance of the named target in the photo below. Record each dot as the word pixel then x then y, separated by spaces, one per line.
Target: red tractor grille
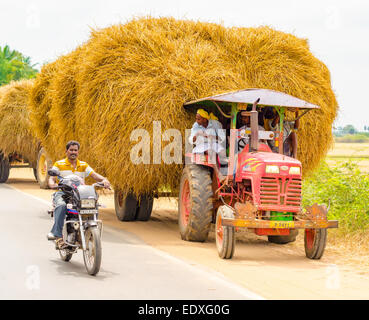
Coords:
pixel 280 191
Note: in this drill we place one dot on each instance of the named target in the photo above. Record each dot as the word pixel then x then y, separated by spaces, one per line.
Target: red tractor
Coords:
pixel 258 189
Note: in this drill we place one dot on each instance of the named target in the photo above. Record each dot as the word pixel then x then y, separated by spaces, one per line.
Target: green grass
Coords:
pixel 347 157
pixel 353 138
pixel 346 187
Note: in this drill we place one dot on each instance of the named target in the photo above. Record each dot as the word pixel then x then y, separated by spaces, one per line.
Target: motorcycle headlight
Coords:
pixel 88 203
pixel 295 170
pixel 272 169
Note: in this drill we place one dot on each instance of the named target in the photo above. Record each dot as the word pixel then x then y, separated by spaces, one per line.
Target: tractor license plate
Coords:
pixel 92 211
pixel 281 224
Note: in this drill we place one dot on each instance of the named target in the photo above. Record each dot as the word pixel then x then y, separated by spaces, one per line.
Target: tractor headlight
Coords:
pixel 88 203
pixel 295 170
pixel 272 169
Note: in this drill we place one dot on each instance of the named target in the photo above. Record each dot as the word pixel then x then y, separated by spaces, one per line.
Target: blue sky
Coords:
pixel 338 32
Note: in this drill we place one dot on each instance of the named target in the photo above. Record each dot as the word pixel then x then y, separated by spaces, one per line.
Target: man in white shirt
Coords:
pixel 208 135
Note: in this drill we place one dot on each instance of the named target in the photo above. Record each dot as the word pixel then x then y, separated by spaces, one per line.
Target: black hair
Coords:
pixel 72 143
pixel 269 113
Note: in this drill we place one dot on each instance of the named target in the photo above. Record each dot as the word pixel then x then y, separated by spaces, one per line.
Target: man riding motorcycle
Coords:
pixel 69 165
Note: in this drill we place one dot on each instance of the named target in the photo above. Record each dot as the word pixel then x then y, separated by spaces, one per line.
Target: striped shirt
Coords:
pixel 82 169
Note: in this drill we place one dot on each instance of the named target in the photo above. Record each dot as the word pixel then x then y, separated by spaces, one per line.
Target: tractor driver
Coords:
pixel 69 165
pixel 208 134
pixel 289 133
pixel 245 126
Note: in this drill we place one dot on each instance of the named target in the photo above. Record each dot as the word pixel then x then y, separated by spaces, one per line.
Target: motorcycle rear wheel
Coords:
pixel 92 254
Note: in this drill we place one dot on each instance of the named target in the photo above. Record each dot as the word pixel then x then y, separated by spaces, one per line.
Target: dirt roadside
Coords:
pixel 270 270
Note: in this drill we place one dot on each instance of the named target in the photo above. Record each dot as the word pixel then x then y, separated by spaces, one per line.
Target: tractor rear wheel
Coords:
pixel 315 241
pixel 225 238
pixel 125 205
pixel 284 239
pixel 43 165
pixel 195 206
pixel 4 169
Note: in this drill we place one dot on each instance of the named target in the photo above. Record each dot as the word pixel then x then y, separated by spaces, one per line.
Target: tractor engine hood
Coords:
pixel 266 164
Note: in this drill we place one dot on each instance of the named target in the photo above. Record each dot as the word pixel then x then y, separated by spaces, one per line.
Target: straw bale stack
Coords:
pixel 127 76
pixel 16 135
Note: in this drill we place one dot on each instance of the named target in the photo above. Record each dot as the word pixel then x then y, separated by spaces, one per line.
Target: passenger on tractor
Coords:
pixel 208 135
pixel 289 132
pixel 245 126
pixel 215 121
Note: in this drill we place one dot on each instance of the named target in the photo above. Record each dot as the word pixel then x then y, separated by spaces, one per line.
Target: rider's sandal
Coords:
pixel 60 244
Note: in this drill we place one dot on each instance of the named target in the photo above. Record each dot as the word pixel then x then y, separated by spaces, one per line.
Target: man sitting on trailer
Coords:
pixel 69 165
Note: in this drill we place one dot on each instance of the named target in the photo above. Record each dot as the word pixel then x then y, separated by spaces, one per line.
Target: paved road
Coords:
pixel 31 268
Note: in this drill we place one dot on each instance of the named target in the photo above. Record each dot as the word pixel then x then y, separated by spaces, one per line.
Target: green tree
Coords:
pixel 349 129
pixel 15 66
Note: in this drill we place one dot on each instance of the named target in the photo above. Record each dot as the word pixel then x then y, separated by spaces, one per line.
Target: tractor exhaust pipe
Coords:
pixel 254 123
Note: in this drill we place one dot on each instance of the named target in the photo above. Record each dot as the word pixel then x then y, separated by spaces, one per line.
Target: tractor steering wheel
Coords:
pixel 242 142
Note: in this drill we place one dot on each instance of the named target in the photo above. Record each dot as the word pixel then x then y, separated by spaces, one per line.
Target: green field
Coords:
pixel 357 152
pixel 343 181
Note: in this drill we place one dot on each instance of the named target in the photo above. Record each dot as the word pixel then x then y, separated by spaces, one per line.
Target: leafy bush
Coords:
pixel 347 189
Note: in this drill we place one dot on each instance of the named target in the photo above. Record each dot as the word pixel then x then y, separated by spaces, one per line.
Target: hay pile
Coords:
pixel 16 135
pixel 127 76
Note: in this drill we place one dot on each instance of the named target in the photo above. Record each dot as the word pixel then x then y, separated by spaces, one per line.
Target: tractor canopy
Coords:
pixel 246 97
pixel 256 103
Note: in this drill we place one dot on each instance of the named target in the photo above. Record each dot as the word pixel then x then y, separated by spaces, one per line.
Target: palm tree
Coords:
pixel 14 66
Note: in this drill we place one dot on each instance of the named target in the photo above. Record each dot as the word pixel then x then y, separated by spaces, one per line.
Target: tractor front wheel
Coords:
pixel 315 241
pixel 195 206
pixel 225 238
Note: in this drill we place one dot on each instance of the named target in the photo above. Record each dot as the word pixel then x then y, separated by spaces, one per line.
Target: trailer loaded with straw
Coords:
pixel 135 75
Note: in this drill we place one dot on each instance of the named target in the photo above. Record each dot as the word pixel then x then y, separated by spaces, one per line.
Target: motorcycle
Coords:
pixel 82 229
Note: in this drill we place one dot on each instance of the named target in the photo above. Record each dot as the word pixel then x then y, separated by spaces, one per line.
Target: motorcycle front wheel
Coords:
pixel 92 254
pixel 65 255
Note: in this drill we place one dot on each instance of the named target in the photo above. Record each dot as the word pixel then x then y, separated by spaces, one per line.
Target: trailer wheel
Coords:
pixel 126 205
pixel 195 206
pixel 145 207
pixel 225 238
pixel 43 165
pixel 315 241
pixel 35 173
pixel 4 169
pixel 284 239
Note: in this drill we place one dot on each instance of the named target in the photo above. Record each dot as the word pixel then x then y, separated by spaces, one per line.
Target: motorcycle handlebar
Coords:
pixel 100 185
pixel 96 184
